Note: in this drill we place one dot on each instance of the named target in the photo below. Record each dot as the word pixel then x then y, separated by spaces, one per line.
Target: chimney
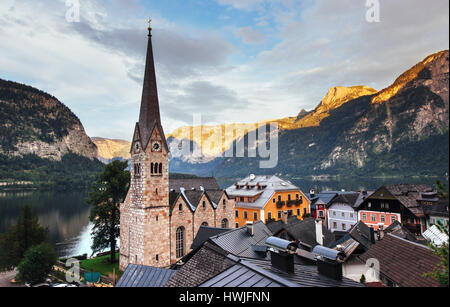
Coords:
pixel 319 232
pixel 329 262
pixel 250 228
pixel 282 253
pixel 284 217
pixel 372 235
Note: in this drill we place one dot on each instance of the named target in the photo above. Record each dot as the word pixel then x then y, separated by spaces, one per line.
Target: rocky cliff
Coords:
pixel 109 149
pixel 34 122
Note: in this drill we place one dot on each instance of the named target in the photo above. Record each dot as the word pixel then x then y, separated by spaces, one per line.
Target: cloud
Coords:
pixel 250 36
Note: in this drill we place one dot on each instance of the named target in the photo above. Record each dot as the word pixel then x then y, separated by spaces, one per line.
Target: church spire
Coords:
pixel 149 115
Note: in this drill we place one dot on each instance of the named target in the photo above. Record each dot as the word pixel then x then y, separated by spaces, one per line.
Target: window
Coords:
pixel 245 215
pixel 364 217
pixel 301 199
pixel 224 223
pixel 289 196
pixel 343 214
pixel 255 216
pixel 205 224
pixel 274 200
pixel 156 218
pixel 204 204
pixel 269 215
pixel 180 242
pixel 137 169
pixel 383 219
pixel 296 196
pixel 298 213
pixel 351 215
pixel 321 213
pixel 224 204
pixel 373 217
pixel 290 213
pixel 344 226
pixel 157 257
pixel 237 225
pixel 279 197
pixel 160 168
pixel 151 168
pixel 334 225
pixel 334 213
pixel 369 204
pixel 180 207
pixel 305 211
pixel 236 214
pixel 279 214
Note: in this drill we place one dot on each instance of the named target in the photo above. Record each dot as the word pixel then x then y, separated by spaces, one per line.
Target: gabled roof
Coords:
pixel 204 233
pixel 277 226
pixel 361 233
pixel 137 275
pixel 404 262
pixel 347 198
pixel 206 263
pixel 215 196
pixel 207 183
pixel 240 243
pixel 305 232
pixel 397 229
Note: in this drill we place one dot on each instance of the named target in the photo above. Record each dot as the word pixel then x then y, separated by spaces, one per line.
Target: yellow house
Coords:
pixel 265 198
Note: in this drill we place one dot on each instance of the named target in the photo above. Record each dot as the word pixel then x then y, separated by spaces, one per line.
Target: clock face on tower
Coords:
pixel 156 146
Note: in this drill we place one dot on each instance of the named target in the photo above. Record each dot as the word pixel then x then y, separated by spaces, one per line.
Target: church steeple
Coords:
pixel 149 116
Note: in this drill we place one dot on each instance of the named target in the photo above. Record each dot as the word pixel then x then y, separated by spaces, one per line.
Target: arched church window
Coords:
pixel 224 223
pixel 180 234
pixel 151 168
pixel 180 207
pixel 160 168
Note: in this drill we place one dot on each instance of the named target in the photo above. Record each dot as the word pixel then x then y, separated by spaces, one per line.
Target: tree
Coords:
pixel 37 263
pixel 19 238
pixel 440 274
pixel 362 279
pixel 108 192
pixel 442 191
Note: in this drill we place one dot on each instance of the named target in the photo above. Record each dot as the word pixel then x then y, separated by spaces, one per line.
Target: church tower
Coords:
pixel 144 220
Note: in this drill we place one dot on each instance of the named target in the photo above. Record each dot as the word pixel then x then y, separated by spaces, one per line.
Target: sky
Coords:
pixel 231 61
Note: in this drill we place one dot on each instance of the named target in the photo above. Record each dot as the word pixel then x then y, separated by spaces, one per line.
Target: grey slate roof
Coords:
pixel 277 226
pixel 398 230
pixel 305 232
pixel 208 183
pixel 144 276
pixel 361 233
pixel 239 242
pixel 215 196
pixel 305 276
pixel 247 275
pixel 204 233
pixel 408 195
pixel 440 208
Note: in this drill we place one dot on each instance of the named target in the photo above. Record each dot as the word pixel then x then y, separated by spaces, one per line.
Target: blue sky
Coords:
pixel 229 60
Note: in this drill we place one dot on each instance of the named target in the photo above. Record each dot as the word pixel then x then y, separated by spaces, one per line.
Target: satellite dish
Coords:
pixel 252 177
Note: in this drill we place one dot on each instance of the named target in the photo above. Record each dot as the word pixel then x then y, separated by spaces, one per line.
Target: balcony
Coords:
pixel 280 204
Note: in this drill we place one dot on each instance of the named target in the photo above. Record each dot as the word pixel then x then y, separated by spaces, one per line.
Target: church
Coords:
pixel 160 217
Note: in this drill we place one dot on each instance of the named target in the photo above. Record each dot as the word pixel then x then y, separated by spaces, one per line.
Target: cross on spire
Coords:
pixel 149 24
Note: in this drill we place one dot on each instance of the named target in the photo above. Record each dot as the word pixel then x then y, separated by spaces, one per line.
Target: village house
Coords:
pixel 158 219
pixel 264 198
pixel 390 203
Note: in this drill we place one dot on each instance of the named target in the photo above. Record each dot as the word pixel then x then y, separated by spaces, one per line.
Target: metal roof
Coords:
pixel 436 236
pixel 144 276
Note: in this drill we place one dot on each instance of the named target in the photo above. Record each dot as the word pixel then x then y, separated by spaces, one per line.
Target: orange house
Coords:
pixel 264 198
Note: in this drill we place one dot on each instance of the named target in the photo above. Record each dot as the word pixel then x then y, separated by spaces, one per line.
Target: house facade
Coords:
pixel 265 198
pixel 340 213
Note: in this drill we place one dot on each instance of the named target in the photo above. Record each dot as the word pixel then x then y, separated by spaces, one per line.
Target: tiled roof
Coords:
pixel 271 185
pixel 144 276
pixel 322 198
pixel 398 230
pixel 197 183
pixel 403 262
pixel 408 194
pixel 204 233
pixel 277 226
pixel 208 262
pixel 348 198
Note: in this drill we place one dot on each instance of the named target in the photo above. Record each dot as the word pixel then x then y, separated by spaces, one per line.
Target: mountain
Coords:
pixel 42 140
pixel 357 131
pixel 109 149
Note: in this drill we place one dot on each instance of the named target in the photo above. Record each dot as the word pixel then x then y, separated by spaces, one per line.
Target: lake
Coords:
pixel 66 214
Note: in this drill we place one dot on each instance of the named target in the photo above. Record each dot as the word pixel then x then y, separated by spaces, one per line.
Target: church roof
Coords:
pixel 149 117
pixel 196 183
